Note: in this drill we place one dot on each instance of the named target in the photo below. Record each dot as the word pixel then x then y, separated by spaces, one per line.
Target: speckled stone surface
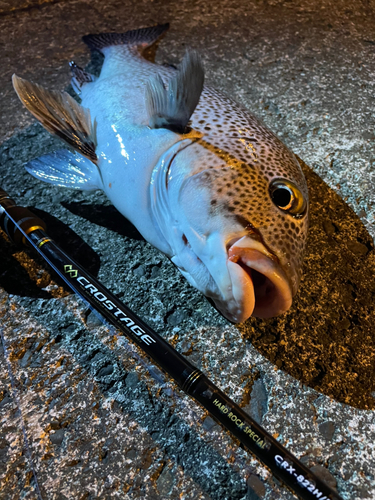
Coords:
pixel 100 421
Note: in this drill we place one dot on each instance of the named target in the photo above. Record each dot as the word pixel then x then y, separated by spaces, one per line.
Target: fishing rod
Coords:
pixel 22 226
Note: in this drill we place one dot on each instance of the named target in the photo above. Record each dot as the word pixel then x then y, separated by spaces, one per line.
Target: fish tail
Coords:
pixel 134 39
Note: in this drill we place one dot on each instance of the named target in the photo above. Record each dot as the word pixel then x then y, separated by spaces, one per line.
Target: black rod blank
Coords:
pixel 21 225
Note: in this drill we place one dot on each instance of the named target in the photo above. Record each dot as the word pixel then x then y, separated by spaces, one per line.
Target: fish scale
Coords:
pixel 231 131
pixel 201 178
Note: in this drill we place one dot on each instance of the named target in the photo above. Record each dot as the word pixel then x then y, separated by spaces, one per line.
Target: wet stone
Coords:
pixel 131 454
pixel 268 338
pixel 336 457
pixel 177 317
pixel 69 329
pixel 368 135
pixel 3 456
pixel 357 248
pixel 165 482
pixel 105 457
pixel 329 228
pixel 208 424
pixel 72 463
pixel 6 399
pixel 93 320
pixel 139 271
pixel 28 193
pixel 97 357
pixel 54 425
pixel 25 361
pixel 348 474
pixel 106 370
pixel 155 272
pixel 364 492
pixel 256 488
pixel 57 437
pixel 344 324
pixel 53 403
pixel 132 380
pixel 35 362
pixel 324 475
pixel 84 358
pixel 258 401
pixel 306 460
pixel 195 359
pixel 279 363
pixel 109 441
pixel 185 347
pixel 327 430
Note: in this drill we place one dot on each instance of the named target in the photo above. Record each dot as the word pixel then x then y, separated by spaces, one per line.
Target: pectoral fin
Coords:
pixel 172 107
pixel 60 114
pixel 66 169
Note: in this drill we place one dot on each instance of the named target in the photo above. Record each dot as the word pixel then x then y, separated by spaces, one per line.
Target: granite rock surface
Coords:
pixel 83 414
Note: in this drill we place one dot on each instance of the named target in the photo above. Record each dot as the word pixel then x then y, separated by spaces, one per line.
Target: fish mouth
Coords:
pixel 260 287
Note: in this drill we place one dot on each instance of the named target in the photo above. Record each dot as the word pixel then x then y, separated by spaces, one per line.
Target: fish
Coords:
pixel 202 179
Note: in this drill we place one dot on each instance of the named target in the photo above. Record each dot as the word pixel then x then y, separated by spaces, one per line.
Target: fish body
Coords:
pixel 202 179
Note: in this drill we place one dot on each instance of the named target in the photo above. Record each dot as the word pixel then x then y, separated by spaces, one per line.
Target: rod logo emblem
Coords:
pixel 68 269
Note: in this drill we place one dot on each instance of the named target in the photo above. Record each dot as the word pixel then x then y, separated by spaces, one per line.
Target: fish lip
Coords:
pixel 272 291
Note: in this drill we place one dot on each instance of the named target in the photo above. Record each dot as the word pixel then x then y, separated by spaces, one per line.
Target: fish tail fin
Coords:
pixel 79 77
pixel 134 40
pixel 66 169
pixel 60 114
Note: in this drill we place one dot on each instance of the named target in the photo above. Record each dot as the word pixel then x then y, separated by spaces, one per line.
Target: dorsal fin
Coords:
pixel 172 107
pixel 140 38
pixel 60 114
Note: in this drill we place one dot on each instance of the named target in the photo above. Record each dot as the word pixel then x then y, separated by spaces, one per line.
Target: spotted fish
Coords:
pixel 202 179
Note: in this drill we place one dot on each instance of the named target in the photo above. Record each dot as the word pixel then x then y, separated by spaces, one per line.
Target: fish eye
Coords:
pixel 287 197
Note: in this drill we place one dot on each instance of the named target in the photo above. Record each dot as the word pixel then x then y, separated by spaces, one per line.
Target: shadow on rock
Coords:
pixel 153 410
pixel 327 339
pixel 25 273
pixel 18 275
pixel 105 216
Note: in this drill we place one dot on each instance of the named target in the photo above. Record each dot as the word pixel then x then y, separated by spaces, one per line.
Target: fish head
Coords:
pixel 239 218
